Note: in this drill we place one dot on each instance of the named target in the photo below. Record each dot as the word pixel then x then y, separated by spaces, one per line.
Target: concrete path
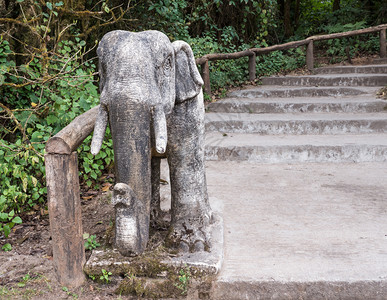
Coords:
pixel 299 169
pixel 301 231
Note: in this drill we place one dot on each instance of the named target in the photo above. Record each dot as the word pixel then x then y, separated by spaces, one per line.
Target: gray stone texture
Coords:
pixel 152 99
pixel 301 231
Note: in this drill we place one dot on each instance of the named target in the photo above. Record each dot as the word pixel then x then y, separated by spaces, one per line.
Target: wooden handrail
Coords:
pixel 252 52
pixel 69 138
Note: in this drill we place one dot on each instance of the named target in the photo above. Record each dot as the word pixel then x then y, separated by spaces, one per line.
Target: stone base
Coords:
pixel 203 262
pixel 161 274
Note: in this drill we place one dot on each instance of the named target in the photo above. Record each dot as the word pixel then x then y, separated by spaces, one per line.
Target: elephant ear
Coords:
pixel 188 82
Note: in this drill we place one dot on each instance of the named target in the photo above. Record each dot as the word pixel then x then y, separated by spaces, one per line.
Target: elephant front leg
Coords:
pixel 191 212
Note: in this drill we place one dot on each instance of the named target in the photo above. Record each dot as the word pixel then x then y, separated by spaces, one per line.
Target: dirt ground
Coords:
pixel 27 270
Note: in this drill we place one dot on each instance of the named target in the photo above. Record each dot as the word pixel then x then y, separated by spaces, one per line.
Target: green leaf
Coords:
pixel 49 5
pixel 51 119
pixel 3 217
pixel 17 220
pixel 7 230
pixel 60 3
pixel 7 247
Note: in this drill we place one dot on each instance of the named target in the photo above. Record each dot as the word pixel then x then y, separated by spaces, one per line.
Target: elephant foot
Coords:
pixel 190 236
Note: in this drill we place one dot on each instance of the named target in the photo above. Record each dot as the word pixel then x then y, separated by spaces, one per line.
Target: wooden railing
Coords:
pixel 253 52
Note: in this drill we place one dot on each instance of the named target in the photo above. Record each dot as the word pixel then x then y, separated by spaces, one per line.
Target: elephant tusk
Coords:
pixel 99 129
pixel 160 128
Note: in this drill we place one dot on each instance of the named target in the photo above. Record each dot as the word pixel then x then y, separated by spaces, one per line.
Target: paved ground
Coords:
pixel 302 222
pixel 292 223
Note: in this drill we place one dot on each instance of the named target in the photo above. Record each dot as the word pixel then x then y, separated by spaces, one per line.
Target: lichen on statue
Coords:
pixel 151 96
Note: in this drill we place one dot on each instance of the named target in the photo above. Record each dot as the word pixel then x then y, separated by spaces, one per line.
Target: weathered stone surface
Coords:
pixel 329 80
pixel 281 91
pixel 155 274
pixel 302 230
pixel 155 264
pixel 151 96
pixel 366 69
pixel 348 104
pixel 296 148
pixel 302 123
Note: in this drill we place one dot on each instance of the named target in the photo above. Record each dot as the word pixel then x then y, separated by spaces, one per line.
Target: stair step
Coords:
pixel 380 60
pixel 296 105
pixel 290 91
pixel 367 69
pixel 329 80
pixel 296 148
pixel 300 123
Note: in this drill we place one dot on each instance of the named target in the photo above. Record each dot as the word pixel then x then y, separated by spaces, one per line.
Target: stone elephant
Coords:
pixel 151 96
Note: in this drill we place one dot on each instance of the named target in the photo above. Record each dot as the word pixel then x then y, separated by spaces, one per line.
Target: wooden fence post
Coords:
pixel 206 77
pixel 64 207
pixel 382 41
pixel 309 56
pixel 64 204
pixel 252 67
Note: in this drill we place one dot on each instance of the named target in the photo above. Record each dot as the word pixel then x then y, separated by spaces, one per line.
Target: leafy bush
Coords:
pixel 38 102
pixel 278 61
pixel 337 48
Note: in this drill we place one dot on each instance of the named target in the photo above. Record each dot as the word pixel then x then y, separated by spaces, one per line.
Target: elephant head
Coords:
pixel 142 77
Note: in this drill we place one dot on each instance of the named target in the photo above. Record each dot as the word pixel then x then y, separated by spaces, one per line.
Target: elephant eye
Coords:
pixel 167 65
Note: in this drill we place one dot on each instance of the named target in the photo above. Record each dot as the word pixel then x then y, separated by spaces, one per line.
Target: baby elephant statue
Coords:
pixel 151 95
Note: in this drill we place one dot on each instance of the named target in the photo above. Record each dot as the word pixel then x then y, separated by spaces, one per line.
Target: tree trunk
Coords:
pixel 297 14
pixel 288 28
pixel 336 5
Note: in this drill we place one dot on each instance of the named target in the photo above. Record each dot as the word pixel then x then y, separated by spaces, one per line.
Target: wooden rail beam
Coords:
pixel 279 47
pixel 347 34
pixel 69 138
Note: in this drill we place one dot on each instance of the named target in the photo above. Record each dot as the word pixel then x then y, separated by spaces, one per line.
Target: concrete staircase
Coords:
pixel 332 116
pixel 298 169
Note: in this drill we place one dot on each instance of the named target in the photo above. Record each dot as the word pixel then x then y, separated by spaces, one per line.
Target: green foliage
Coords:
pixel 41 105
pixel 91 241
pixel 105 276
pixel 7 247
pixel 278 61
pixel 8 220
pixel 337 48
pixel 24 281
pixel 184 278
pixel 69 293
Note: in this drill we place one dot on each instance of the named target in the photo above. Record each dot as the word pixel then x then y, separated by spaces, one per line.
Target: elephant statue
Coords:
pixel 151 95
